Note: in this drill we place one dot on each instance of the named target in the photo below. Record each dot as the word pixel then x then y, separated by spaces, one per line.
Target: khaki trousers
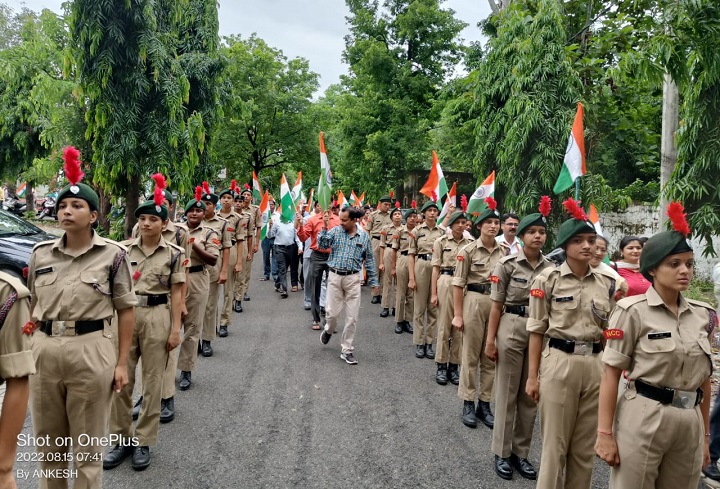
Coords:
pixel 152 328
pixel 168 385
pixel 209 329
pixel 376 256
pixel 196 304
pixel 424 331
pixel 70 397
pixel 247 269
pixel 514 410
pixel 388 290
pixel 404 297
pixel 660 447
pixel 569 394
pixel 343 291
pixel 242 276
pixel 229 289
pixel 476 309
pixel 446 331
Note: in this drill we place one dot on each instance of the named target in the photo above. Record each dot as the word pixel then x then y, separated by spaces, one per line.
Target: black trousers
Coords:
pixel 287 257
pixel 318 267
pixel 715 432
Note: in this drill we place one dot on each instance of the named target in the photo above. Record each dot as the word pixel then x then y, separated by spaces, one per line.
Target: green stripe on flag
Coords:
pixel 564 181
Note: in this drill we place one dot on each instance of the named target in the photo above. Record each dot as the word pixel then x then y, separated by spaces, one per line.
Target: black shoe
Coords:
pixel 503 468
pixel 207 350
pixel 468 416
pixel 141 458
pixel 398 328
pixel 223 331
pixel 115 456
pixel 136 409
pixel 407 327
pixel 429 351
pixel 711 471
pixel 392 312
pixel 485 415
pixel 325 337
pixel 419 351
pixel 284 294
pixel 376 299
pixel 322 311
pixel 246 297
pixel 441 374
pixel 185 380
pixel 237 306
pixel 167 410
pixel 526 469
pixel 385 313
pixel 454 373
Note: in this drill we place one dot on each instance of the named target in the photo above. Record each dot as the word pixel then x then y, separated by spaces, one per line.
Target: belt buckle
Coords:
pixel 142 301
pixel 62 328
pixel 582 348
pixel 684 399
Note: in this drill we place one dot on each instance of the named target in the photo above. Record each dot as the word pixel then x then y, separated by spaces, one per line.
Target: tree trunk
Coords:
pixel 29 197
pixel 132 199
pixel 104 211
pixel 668 149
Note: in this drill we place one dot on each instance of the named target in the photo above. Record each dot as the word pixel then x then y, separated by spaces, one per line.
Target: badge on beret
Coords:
pixel 495 279
pixel 158 208
pixel 613 334
pixel 198 204
pixel 74 189
pixel 539 293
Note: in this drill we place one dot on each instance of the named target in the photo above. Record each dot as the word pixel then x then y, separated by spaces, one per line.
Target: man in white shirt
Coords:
pixel 287 248
pixel 508 239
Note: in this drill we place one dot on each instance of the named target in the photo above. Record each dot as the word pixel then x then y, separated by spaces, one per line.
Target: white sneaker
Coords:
pixel 349 358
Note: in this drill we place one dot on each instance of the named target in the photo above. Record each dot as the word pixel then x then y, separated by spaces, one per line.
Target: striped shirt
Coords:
pixel 349 251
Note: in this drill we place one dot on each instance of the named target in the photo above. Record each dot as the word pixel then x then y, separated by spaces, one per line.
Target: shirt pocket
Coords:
pixel 600 309
pixel 563 304
pixel 160 274
pixel 95 282
pixel 478 266
pixel 46 279
pixel 660 345
pixel 518 287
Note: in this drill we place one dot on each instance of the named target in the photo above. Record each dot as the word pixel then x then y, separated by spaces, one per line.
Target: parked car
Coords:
pixel 17 238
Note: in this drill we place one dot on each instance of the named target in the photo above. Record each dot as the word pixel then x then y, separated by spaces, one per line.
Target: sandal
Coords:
pixel 294 288
pixel 316 326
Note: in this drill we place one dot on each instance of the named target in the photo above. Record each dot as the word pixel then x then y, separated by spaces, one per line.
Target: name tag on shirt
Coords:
pixel 41 271
pixel 133 263
pixel 521 280
pixel 659 336
pixel 563 299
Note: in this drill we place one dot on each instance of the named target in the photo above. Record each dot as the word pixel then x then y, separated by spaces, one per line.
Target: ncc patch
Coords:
pixel 495 279
pixel 539 293
pixel 613 334
pixel 185 262
pixel 191 240
pixel 231 230
pixel 136 275
pixel 460 258
pixel 29 328
pixel 395 236
pixel 216 241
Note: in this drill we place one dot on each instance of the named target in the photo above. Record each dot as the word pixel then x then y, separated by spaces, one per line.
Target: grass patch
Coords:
pixel 701 290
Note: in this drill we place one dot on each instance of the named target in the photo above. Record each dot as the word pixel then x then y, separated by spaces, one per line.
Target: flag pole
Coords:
pixel 577 188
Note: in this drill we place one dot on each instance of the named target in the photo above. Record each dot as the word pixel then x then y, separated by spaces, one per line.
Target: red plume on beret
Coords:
pixel 72 165
pixel 392 194
pixel 678 218
pixel 160 184
pixel 545 205
pixel 463 203
pixel 397 204
pixel 573 208
pixel 491 203
pixel 198 193
pixel 206 187
pixel 233 186
pixel 413 204
pixel 247 186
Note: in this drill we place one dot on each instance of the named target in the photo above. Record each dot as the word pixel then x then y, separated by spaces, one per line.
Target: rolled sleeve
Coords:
pixel 499 285
pixel 412 249
pixel 437 251
pixel 462 269
pixel 178 273
pixel 212 245
pixel 16 358
pixel 123 291
pixel 538 321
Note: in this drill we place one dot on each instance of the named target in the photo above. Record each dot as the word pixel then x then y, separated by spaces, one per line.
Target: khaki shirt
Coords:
pixel 207 239
pixel 174 234
pixel 220 226
pixel 401 239
pixel 234 226
pixel 475 263
pixel 257 216
pixel 244 225
pixel 68 288
pixel 376 222
pixel 422 239
pixel 570 308
pixel 386 235
pixel 155 273
pixel 513 277
pixel 445 251
pixel 16 358
pixel 657 347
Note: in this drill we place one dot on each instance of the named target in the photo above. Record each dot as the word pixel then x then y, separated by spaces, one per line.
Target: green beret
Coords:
pixel 226 191
pixel 212 198
pixel 570 228
pixel 195 203
pixel 385 198
pixel 409 213
pixel 535 219
pixel 660 246
pixel 150 208
pixel 80 191
pixel 396 209
pixel 169 196
pixel 428 205
pixel 455 216
pixel 239 196
pixel 487 214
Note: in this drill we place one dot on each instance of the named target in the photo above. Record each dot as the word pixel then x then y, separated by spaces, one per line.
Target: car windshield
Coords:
pixel 10 224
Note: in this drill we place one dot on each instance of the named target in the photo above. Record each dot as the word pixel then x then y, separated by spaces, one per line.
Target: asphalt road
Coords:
pixel 275 408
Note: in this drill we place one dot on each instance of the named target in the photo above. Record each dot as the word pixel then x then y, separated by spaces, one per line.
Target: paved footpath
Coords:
pixel 274 408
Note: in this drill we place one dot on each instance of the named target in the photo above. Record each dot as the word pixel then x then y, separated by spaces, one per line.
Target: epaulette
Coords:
pixel 508 258
pixel 127 242
pixel 112 242
pixel 628 302
pixel 604 273
pixel 44 243
pixel 16 284
pixel 175 247
pixel 699 303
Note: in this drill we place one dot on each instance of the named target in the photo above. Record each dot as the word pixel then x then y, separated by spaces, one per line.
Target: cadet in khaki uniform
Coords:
pixel 254 222
pixel 78 283
pixel 507 344
pixel 444 259
pixel 16 364
pixel 655 435
pixel 471 306
pixel 420 271
pixel 218 272
pixel 158 272
pixel 245 233
pixel 569 305
pixel 203 249
pixel 404 296
pixel 236 235
pixel 377 220
pixel 385 263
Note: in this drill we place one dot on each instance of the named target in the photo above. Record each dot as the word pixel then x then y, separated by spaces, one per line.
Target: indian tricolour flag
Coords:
pixel 256 190
pixel 477 204
pixel 574 163
pixel 296 191
pixel 288 208
pixel 325 184
pixel 451 200
pixel 594 218
pixel 20 192
pixel 265 211
pixel 435 187
pixel 354 200
pixel 342 201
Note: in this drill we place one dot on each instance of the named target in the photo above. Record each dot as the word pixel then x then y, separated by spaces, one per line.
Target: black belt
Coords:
pixel 81 327
pixel 519 310
pixel 376 237
pixel 284 246
pixel 321 254
pixel 426 256
pixel 448 271
pixel 569 346
pixel 404 253
pixel 152 300
pixel 196 268
pixel 664 395
pixel 233 241
pixel 338 271
pixel 479 288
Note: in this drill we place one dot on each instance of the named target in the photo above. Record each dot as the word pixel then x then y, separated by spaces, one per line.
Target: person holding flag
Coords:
pixel 287 243
pixel 377 221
